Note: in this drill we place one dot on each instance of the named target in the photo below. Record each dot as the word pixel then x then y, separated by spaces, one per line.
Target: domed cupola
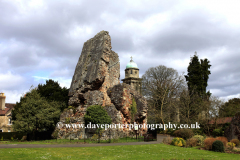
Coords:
pixel 131 64
pixel 132 76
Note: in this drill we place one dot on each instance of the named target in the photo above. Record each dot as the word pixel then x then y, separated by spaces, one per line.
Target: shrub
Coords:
pixel 224 140
pixel 192 142
pixel 184 133
pixel 231 145
pixel 2 139
pixel 67 120
pixel 198 131
pixel 97 115
pixel 167 140
pixel 217 146
pixel 178 142
pixel 24 138
pixel 55 134
pixel 94 137
pixel 170 131
pixel 235 141
pixel 200 139
pixel 9 135
pixel 217 132
pixel 73 108
pixel 177 133
pixel 208 143
pixel 204 135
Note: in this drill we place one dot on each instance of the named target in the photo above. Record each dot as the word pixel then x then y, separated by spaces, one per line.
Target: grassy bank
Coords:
pixel 67 141
pixel 151 151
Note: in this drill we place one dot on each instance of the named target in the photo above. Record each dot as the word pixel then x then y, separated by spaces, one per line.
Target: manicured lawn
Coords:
pixel 67 141
pixel 152 151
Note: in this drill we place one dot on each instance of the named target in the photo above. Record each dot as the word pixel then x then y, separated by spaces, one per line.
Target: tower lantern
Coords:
pixel 132 76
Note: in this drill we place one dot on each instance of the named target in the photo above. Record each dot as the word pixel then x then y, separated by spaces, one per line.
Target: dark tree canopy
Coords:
pixel 97 115
pixel 198 75
pixel 205 65
pixel 230 108
pixel 52 91
pixel 34 111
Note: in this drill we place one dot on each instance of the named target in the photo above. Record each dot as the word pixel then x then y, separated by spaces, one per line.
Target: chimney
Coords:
pixel 2 101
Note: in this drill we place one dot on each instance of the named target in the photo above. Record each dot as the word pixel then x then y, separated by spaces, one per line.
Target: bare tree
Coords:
pixel 190 105
pixel 162 86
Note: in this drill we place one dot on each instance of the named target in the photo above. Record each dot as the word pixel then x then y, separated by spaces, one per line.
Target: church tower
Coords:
pixel 132 76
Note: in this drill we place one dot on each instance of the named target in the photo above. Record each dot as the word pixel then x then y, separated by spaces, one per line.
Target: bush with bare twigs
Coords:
pixel 192 142
pixel 224 140
pixel 208 143
pixel 167 140
pixel 235 141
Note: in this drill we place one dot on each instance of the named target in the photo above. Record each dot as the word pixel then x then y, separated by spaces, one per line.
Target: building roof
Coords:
pixel 221 120
pixel 9 106
pixel 131 64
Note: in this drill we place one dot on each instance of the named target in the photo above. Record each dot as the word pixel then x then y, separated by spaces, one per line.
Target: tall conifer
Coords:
pixel 205 65
pixel 198 75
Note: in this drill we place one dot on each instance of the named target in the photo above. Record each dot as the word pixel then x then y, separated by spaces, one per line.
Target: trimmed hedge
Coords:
pixel 10 135
pixel 184 133
pixel 217 146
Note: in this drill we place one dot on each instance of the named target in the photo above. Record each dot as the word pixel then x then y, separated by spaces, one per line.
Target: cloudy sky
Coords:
pixel 42 40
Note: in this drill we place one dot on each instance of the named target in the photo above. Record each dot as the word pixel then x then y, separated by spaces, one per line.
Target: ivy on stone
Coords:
pixel 133 109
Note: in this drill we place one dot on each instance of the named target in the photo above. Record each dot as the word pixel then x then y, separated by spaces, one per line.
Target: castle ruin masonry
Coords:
pixel 96 81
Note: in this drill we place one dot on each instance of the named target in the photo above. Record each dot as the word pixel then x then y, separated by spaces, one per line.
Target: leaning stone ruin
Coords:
pixel 96 82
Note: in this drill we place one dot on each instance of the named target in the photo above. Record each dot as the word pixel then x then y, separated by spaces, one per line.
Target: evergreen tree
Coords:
pixel 230 108
pixel 52 91
pixel 35 111
pixel 205 65
pixel 198 75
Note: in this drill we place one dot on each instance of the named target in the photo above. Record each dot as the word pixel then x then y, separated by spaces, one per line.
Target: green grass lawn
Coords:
pixel 135 152
pixel 67 141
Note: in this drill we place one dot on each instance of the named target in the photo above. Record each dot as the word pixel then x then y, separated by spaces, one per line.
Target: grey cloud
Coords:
pixel 190 32
pixel 44 34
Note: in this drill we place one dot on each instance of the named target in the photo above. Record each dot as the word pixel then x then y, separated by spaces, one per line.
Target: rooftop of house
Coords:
pixel 8 107
pixel 221 120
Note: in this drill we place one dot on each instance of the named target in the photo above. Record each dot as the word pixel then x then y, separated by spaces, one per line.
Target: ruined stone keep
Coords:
pixel 96 81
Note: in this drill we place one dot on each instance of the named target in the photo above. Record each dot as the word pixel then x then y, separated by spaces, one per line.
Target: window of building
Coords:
pixel 9 130
pixel 131 71
pixel 9 121
pixel 1 130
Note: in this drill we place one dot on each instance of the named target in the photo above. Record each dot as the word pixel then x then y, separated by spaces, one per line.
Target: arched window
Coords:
pixel 131 71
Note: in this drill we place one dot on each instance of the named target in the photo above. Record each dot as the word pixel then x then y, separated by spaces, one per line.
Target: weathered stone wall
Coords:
pixel 121 96
pixel 96 82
